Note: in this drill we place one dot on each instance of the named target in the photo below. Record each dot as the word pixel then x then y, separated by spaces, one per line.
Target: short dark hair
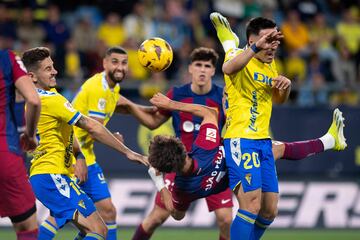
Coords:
pixel 167 154
pixel 204 54
pixel 255 25
pixel 116 49
pixel 32 57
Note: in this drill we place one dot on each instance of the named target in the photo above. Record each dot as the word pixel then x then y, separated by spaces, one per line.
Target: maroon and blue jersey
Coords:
pixel 11 69
pixel 208 175
pixel 19 109
pixel 186 125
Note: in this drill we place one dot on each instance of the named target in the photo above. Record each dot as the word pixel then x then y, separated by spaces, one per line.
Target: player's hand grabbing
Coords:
pixel 160 100
pixel 281 83
pixel 123 105
pixel 133 156
pixel 270 40
pixel 27 143
pixel 119 136
pixel 81 170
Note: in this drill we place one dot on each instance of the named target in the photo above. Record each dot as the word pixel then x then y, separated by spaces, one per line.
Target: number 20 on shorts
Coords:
pixel 251 160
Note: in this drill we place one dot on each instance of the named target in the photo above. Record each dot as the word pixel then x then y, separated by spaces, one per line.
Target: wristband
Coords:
pixel 79 155
pixel 157 179
pixel 255 48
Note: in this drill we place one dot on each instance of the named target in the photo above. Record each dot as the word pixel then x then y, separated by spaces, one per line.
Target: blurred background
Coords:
pixel 320 53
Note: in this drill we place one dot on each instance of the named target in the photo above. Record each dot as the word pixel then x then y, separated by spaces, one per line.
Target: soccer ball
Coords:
pixel 155 54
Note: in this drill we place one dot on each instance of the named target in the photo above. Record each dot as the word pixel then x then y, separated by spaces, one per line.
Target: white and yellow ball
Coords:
pixel 155 54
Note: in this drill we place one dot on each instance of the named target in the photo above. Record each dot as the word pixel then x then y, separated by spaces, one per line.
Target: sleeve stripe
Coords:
pixel 75 118
pixel 97 114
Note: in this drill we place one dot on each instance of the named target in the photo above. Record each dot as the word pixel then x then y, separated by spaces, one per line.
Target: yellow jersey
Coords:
pixel 249 98
pixel 55 135
pixel 94 99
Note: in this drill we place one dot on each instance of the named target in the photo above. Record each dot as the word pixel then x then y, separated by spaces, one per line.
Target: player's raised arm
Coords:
pixel 101 134
pixel 148 116
pixel 209 115
pixel 268 41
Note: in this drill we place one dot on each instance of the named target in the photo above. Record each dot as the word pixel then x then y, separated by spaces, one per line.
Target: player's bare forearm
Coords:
pixel 32 115
pixel 151 120
pixel 195 109
pixel 146 115
pixel 166 197
pixel 101 134
pixel 33 104
pixel 238 62
pixel 207 113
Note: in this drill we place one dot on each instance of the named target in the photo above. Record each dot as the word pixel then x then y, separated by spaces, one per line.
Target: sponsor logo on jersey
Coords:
pixel 259 77
pixel 211 134
pixel 69 107
pixel 253 112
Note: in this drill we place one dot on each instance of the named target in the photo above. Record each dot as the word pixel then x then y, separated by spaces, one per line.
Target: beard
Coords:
pixel 52 85
pixel 116 79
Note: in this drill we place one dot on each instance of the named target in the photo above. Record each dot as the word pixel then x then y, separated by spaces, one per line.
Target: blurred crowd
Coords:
pixel 320 51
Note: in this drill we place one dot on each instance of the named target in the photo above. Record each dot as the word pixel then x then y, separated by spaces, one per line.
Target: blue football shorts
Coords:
pixel 62 196
pixel 251 163
pixel 96 186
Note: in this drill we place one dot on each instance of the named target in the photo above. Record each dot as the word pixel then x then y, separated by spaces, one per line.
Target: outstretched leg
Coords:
pixel 333 140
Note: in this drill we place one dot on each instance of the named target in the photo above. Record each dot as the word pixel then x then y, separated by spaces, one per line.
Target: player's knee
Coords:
pixel 254 205
pixel 26 221
pixel 224 221
pixel 269 214
pixel 178 217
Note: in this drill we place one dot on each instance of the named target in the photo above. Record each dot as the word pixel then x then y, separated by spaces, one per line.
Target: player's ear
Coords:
pixel 32 76
pixel 190 68
pixel 104 62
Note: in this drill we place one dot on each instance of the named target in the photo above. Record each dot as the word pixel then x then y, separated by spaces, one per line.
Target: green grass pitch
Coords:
pixel 211 234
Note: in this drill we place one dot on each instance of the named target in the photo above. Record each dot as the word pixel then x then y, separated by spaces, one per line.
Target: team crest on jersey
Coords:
pixel 211 134
pixel 82 204
pixel 69 107
pixel 101 104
